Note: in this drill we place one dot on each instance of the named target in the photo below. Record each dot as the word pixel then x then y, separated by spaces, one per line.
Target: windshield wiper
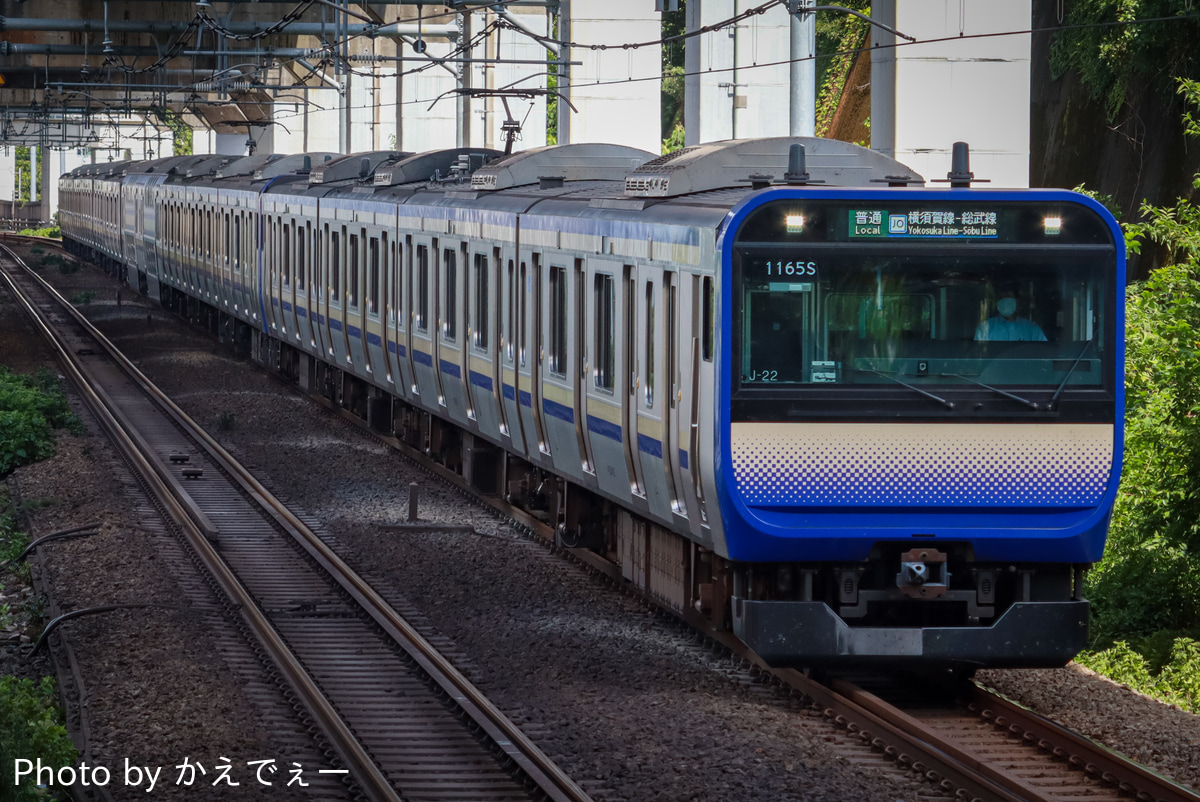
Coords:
pixel 944 402
pixel 1025 401
pixel 1067 378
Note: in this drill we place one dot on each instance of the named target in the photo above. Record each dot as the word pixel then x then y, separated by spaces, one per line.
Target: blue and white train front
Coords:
pixel 920 428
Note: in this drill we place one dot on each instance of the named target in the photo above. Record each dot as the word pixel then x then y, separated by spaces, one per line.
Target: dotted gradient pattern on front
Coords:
pixel 1035 465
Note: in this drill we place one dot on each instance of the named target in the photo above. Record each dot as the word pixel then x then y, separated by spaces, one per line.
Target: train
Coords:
pixel 784 385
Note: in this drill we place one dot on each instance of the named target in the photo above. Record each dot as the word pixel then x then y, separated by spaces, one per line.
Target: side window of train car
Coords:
pixel 352 272
pixel 450 299
pixel 335 268
pixel 301 234
pixel 479 312
pixel 521 319
pixel 649 340
pixel 287 255
pixel 395 273
pixel 558 322
pixel 707 315
pixel 373 274
pixel 422 317
pixel 605 318
pixel 237 243
pixel 510 313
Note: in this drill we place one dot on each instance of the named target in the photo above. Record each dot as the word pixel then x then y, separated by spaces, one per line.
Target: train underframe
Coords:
pixel 909 602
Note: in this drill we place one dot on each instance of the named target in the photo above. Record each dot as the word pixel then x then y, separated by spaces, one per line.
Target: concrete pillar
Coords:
pixel 925 97
pixel 610 109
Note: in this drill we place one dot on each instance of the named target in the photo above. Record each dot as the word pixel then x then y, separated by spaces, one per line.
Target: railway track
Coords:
pixel 400 720
pixel 968 743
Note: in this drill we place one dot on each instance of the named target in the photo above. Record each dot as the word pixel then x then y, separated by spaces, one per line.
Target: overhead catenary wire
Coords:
pixel 499 24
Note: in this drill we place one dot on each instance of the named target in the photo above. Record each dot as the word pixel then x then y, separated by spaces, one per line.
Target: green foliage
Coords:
pixel 1112 58
pixel 837 33
pixel 674 23
pixel 52 232
pixel 181 132
pixel 21 169
pixel 1178 682
pixel 31 727
pixel 31 408
pixel 83 298
pixel 672 107
pixel 1146 592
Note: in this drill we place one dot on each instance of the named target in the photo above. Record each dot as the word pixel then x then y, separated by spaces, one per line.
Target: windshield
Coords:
pixel 922 329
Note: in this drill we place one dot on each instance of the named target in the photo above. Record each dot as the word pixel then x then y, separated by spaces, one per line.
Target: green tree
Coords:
pixel 674 23
pixel 1149 579
pixel 1111 56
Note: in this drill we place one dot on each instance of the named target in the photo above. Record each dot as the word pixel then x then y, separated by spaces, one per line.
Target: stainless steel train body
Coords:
pixel 755 400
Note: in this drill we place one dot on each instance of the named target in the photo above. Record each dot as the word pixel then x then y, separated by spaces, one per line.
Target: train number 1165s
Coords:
pixel 791 268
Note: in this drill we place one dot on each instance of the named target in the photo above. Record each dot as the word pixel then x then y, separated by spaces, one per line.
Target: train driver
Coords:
pixel 1006 325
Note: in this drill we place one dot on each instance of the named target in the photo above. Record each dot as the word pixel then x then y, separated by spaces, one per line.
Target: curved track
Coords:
pixel 401 720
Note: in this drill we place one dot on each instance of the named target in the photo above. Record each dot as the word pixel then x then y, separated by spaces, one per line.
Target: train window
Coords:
pixel 450 300
pixel 352 272
pixel 479 320
pixel 558 320
pixel 237 246
pixel 422 317
pixel 395 275
pixel 287 255
pixel 649 340
pixel 520 318
pixel 510 327
pixel 335 268
pixel 373 276
pixel 707 314
pixel 605 318
pixel 300 277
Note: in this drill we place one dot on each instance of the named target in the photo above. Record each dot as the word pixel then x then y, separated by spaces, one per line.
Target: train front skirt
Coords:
pixel 808 633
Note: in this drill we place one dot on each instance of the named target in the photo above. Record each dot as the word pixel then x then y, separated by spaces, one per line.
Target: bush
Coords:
pixel 31 408
pixel 52 232
pixel 83 298
pixel 30 728
pixel 1177 683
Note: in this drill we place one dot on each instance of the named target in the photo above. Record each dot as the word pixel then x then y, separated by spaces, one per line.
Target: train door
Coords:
pixel 321 282
pixel 699 355
pixel 376 269
pixel 355 317
pixel 651 398
pixel 675 421
pixel 304 279
pixel 560 369
pixel 607 377
pixel 635 323
pixel 338 249
pixel 529 353
pixel 424 341
pixel 391 308
pixel 481 366
pixel 510 410
pixel 577 329
pixel 287 279
pixel 451 330
pixel 402 295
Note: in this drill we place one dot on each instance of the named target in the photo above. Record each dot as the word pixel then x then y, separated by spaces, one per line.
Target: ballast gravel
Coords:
pixel 627 702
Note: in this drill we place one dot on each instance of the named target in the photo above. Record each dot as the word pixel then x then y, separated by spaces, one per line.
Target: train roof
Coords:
pixel 697 183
